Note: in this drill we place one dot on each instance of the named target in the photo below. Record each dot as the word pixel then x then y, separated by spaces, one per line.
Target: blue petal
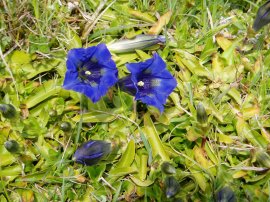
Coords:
pixel 77 56
pixel 110 64
pixel 150 99
pixel 71 79
pixel 109 78
pixel 102 54
pixel 91 92
pixel 158 68
pixel 165 88
pixel 94 93
pixel 127 85
pixel 136 68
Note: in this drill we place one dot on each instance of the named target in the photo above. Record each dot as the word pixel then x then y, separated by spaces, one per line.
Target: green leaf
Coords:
pixel 19 58
pixel 128 156
pixel 193 64
pixel 11 171
pixel 153 138
pixel 46 90
pixel 99 116
pixel 96 171
pixel 141 183
pixel 243 130
pixel 118 172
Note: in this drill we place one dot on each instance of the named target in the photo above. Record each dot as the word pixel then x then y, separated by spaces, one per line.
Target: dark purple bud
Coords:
pixel 262 17
pixel 225 194
pixel 8 111
pixel 12 146
pixel 167 168
pixel 65 126
pixel 172 186
pixel 92 152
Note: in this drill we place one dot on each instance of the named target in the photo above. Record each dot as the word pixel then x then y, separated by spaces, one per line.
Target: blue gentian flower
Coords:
pixel 90 71
pixel 149 81
pixel 92 152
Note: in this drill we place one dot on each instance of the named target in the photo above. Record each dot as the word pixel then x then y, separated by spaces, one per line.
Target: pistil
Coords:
pixel 140 83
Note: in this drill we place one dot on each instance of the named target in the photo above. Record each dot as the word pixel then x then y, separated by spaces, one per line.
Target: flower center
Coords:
pixel 140 83
pixel 90 72
pixel 87 73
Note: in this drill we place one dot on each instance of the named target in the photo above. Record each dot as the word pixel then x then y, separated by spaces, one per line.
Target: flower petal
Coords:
pixel 139 67
pixel 150 99
pixel 165 88
pixel 102 54
pixel 158 68
pixel 70 80
pixel 78 56
pixel 127 85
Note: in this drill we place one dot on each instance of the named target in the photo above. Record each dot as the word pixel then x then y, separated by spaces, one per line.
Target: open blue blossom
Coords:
pixel 149 81
pixel 92 152
pixel 90 71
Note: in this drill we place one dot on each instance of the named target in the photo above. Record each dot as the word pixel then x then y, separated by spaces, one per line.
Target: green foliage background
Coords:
pixel 211 50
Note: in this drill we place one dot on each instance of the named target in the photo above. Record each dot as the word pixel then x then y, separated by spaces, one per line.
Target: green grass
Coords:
pixel 213 53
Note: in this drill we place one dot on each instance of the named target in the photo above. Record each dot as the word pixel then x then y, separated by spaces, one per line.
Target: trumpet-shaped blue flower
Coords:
pixel 92 152
pixel 149 81
pixel 90 71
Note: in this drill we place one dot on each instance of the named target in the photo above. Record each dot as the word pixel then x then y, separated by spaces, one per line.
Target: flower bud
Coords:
pixel 65 126
pixel 167 168
pixel 201 114
pixel 139 42
pixel 262 17
pixel 225 194
pixel 53 113
pixel 172 186
pixel 12 146
pixel 8 111
pixel 92 152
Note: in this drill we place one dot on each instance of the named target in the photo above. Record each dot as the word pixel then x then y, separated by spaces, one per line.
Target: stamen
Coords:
pixel 87 73
pixel 140 83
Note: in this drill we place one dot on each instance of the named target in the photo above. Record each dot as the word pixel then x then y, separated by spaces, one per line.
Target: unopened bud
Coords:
pixel 92 152
pixel 139 42
pixel 225 194
pixel 167 168
pixel 65 126
pixel 201 114
pixel 53 113
pixel 172 186
pixel 8 111
pixel 262 17
pixel 12 146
